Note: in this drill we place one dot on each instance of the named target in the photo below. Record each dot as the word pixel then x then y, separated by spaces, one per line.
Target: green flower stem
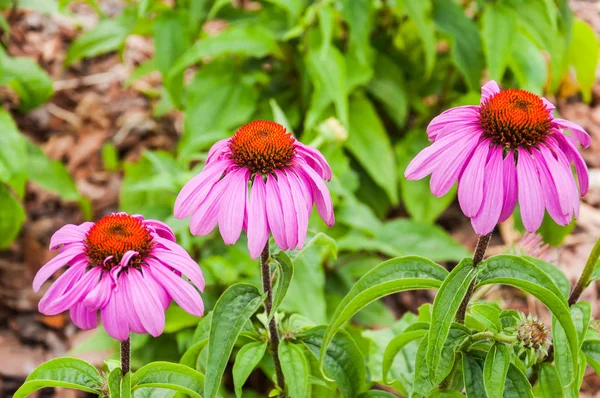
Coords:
pixel 125 356
pixel 482 245
pixel 273 334
pixel 584 279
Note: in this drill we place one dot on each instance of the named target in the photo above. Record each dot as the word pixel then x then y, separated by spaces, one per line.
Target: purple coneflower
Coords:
pixel 126 267
pixel 509 148
pixel 261 180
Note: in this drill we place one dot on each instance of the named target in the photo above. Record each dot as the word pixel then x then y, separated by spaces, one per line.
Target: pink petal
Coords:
pixel 182 292
pixel 493 195
pixel 549 105
pixel 70 233
pixel 549 190
pixel 574 156
pixel 453 118
pixel 98 297
pixel 559 179
pixel 470 185
pixel 113 320
pixel 290 218
pixel 217 151
pixel 488 90
pixel 146 304
pixel 206 215
pixel 320 193
pixel 185 265
pixel 275 212
pixel 161 229
pixel 258 232
pixel 79 290
pixel 530 192
pixel 509 173
pixel 233 206
pixel 300 205
pixel 63 258
pixel 127 257
pixel 83 318
pixel 315 159
pixel 161 293
pixel 63 284
pixel 582 136
pixel 124 296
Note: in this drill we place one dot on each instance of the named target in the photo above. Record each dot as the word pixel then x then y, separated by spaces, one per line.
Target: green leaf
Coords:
pixel 549 385
pixel 114 383
pixel 388 86
pixel 295 369
pixel 177 319
pixel 248 40
pixel 190 357
pixel 27 79
pixel 499 28
pixel 394 347
pixel 342 359
pixel 484 316
pixel 233 309
pixel 109 35
pixel 422 384
pixel 420 12
pixel 126 386
pixel 445 305
pixel 286 273
pixel 466 52
pixel 12 217
pixel 517 385
pixel 370 144
pixel 528 64
pixel 359 16
pixel 392 276
pixel 495 368
pixel 245 361
pixel 12 152
pixel 584 41
pixel 62 372
pixel 172 376
pixel 558 277
pixel 376 394
pixel 473 376
pixel 591 349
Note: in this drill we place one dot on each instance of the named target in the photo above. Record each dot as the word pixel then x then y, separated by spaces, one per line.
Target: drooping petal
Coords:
pixel 549 190
pixel 127 257
pixel 452 120
pixel 73 295
pixel 231 210
pixel 69 233
pixel 124 296
pixel 63 258
pixel 290 218
pixel 217 151
pixel 582 136
pixel 488 90
pixel 83 318
pixel 258 232
pixel 206 215
pixel 559 179
pixel 300 206
pixel 315 159
pixel 509 174
pixel 275 212
pixel 98 297
pixel 113 321
pixel 321 194
pixel 161 229
pixel 574 156
pixel 549 105
pixel 470 185
pixel 530 192
pixel 147 305
pixel 181 291
pixel 185 265
pixel 63 284
pixel 493 195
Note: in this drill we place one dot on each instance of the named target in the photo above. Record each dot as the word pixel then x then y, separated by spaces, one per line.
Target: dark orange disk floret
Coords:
pixel 114 235
pixel 262 146
pixel 515 118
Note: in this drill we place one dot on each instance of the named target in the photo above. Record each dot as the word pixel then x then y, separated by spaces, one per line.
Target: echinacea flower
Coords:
pixel 509 148
pixel 261 180
pixel 126 267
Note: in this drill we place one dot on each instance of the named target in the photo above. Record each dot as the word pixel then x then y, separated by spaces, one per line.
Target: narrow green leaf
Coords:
pixel 558 277
pixel 499 28
pixel 473 376
pixel 517 385
pixel 233 309
pixel 342 361
pixel 484 316
pixel 114 383
pixel 394 347
pixel 584 41
pixel 591 349
pixel 62 372
pixel 286 273
pixel 295 369
pixel 126 386
pixel 172 376
pixel 446 303
pixel 420 12
pixel 12 216
pixel 388 86
pixel 495 368
pixel 31 83
pixel 245 361
pixel 528 64
pixel 190 357
pixel 549 385
pixel 359 16
pixel 392 276
pixel 422 384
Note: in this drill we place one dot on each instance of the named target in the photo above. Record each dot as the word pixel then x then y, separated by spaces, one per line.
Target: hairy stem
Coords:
pixel 273 335
pixel 586 275
pixel 125 356
pixel 482 244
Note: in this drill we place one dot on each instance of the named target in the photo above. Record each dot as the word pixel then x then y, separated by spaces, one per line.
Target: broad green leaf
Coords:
pixel 467 53
pixel 549 385
pixel 420 12
pixel 31 83
pixel 388 86
pixel 172 376
pixel 285 268
pixel 249 40
pixel 394 347
pixel 422 384
pixel 109 35
pixel 12 216
pixel 499 28
pixel 484 316
pixel 126 386
pixel 473 376
pixel 342 360
pixel 528 64
pixel 370 145
pixel 591 349
pixel 584 41
pixel 554 273
pixel 295 369
pixel 495 368
pixel 445 305
pixel 114 383
pixel 245 361
pixel 190 357
pixel 62 372
pixel 392 276
pixel 231 312
pixel 516 385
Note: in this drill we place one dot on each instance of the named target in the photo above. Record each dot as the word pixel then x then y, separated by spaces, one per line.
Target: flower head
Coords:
pixel 126 267
pixel 532 337
pixel 508 148
pixel 261 180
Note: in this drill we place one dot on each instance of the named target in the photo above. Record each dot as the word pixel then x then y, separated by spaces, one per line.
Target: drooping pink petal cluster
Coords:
pixel 127 268
pixel 508 149
pixel 261 180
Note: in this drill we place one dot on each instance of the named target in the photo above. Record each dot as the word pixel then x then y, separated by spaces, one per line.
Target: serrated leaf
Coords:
pixel 392 276
pixel 445 305
pixel 171 376
pixel 233 309
pixel 473 376
pixel 394 347
pixel 499 28
pixel 495 368
pixel 342 361
pixel 245 361
pixel 286 273
pixel 295 369
pixel 62 372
